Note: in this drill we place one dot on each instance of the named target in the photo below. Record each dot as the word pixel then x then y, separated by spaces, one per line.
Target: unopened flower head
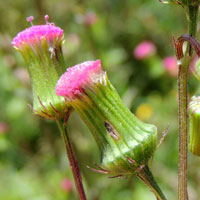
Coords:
pixel 120 136
pixel 144 50
pixel 41 47
pixel 194 125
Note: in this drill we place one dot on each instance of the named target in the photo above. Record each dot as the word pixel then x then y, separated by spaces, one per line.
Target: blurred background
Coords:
pixel 134 41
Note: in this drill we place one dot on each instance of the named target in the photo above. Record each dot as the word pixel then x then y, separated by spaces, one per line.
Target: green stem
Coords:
pixel 147 177
pixel 72 160
pixel 182 98
pixel 193 14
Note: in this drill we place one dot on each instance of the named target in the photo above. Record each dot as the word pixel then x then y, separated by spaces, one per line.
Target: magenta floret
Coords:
pixel 36 33
pixel 72 82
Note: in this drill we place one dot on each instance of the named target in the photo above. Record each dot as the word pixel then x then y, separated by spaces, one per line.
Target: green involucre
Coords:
pixel 118 133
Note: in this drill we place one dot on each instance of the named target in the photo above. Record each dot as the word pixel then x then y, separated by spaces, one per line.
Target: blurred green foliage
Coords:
pixel 33 162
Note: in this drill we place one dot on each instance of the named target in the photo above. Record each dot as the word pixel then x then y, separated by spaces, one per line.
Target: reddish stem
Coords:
pixel 72 160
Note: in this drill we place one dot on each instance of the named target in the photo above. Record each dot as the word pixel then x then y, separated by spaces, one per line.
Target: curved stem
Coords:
pixel 72 160
pixel 147 177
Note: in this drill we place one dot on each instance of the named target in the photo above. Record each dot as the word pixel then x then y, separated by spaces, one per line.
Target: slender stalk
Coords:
pixel 147 177
pixel 72 160
pixel 183 121
pixel 182 98
pixel 193 14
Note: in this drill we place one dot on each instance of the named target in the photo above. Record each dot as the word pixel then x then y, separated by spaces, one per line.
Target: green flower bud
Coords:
pixel 194 125
pixel 125 142
pixel 41 48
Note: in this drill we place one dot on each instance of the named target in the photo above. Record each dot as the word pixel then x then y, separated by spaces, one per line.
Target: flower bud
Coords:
pixel 41 48
pixel 194 125
pixel 122 138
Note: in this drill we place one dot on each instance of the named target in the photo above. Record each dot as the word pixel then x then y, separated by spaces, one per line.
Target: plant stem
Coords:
pixel 72 160
pixel 182 98
pixel 193 14
pixel 183 121
pixel 147 177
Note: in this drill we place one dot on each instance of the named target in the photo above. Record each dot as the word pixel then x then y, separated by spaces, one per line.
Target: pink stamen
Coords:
pixel 76 78
pixel 30 19
pixel 46 17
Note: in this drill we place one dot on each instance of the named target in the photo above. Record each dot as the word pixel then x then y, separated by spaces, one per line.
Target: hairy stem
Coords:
pixel 182 98
pixel 146 176
pixel 72 160
pixel 183 126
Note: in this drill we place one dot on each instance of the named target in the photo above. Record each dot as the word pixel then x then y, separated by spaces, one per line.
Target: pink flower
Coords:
pixel 41 48
pixel 4 128
pixel 72 82
pixel 170 65
pixel 35 34
pixel 90 18
pixel 144 50
pixel 67 185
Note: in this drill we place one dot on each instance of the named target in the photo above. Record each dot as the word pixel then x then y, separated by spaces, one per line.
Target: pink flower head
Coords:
pixel 170 65
pixel 67 185
pixel 144 50
pixel 90 18
pixel 35 34
pixel 77 77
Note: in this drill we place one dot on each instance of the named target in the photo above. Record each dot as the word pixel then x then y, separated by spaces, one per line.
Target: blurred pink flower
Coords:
pixel 193 64
pixel 144 50
pixel 67 185
pixel 90 18
pixel 170 65
pixel 3 127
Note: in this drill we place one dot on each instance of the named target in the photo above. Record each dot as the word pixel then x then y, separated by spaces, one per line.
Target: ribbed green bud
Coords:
pixel 121 137
pixel 194 125
pixel 41 48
